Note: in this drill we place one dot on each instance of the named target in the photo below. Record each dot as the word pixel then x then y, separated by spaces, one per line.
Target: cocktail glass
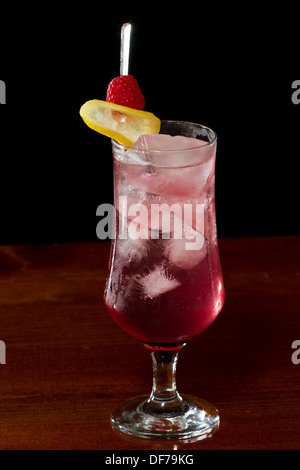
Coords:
pixel 164 283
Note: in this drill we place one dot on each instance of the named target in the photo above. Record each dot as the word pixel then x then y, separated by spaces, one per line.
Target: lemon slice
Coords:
pixel 123 124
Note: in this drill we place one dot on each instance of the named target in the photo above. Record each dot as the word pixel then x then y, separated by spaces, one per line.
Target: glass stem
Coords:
pixel 164 375
pixel 164 401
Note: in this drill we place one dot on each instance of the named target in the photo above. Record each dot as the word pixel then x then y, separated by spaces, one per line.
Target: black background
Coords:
pixel 228 67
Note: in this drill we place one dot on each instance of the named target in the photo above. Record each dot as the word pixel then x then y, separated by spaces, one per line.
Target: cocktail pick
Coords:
pixel 125 48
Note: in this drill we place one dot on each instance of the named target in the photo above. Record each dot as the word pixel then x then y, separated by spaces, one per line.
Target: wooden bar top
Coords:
pixel 68 364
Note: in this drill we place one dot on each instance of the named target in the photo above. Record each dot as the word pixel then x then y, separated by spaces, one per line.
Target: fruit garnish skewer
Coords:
pixel 120 117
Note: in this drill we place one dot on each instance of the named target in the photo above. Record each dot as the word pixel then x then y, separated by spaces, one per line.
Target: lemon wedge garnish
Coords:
pixel 123 124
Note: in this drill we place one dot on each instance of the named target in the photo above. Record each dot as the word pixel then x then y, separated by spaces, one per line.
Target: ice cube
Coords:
pixel 157 282
pixel 132 250
pixel 182 258
pixel 190 250
pixel 165 170
pixel 171 151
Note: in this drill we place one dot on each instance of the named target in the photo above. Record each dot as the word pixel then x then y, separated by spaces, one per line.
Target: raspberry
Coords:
pixel 125 91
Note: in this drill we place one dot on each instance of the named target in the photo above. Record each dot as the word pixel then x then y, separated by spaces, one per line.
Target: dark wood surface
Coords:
pixel 68 364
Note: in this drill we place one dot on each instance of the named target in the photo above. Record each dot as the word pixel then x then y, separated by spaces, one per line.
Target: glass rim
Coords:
pixel 203 144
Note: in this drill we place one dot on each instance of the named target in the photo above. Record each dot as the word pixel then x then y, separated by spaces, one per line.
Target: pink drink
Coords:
pixel 164 286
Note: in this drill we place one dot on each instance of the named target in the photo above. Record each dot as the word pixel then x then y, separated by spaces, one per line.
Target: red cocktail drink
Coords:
pixel 165 282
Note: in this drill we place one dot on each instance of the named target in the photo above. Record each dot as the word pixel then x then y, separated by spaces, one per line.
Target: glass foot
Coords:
pixel 181 418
